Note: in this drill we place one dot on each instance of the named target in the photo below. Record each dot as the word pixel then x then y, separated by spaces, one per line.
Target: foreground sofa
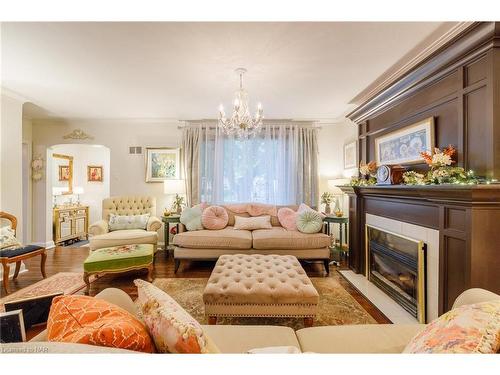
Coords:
pixel 211 244
pixel 372 338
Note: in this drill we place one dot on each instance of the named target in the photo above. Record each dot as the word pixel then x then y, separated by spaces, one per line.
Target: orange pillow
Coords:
pixel 88 320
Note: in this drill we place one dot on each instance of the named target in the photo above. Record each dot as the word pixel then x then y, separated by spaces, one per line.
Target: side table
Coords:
pixel 167 220
pixel 343 223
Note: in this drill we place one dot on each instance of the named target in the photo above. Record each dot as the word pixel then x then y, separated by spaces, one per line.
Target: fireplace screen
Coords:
pixel 396 265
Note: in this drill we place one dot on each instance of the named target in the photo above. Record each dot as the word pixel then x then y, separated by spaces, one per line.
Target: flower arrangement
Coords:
pixel 355 181
pixel 440 158
pixel 368 169
pixel 178 203
pixel 413 178
pixel 327 197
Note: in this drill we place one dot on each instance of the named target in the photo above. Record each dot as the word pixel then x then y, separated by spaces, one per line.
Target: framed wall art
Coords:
pixel 404 146
pixel 162 164
pixel 350 155
pixel 94 173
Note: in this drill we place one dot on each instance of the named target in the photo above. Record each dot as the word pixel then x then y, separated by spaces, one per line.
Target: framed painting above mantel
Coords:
pixel 162 164
pixel 404 146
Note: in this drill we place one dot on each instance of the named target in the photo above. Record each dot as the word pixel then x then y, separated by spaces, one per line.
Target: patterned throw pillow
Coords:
pixel 88 320
pixel 172 328
pixel 309 221
pixel 191 218
pixel 288 218
pixel 8 238
pixel 121 222
pixel 467 329
pixel 252 223
pixel 214 217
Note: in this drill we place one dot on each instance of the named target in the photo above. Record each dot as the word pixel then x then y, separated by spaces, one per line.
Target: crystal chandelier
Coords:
pixel 241 122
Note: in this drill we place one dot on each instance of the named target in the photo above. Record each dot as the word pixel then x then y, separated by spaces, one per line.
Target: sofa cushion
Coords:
pixel 226 238
pixel 287 218
pixel 214 217
pixel 280 238
pixel 172 328
pixel 191 218
pixel 467 329
pixel 89 320
pixel 365 338
pixel 123 237
pixel 249 337
pixel 60 348
pixel 309 222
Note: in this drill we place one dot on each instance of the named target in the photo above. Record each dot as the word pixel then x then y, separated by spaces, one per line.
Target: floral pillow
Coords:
pixel 468 329
pixel 8 238
pixel 171 327
pixel 121 222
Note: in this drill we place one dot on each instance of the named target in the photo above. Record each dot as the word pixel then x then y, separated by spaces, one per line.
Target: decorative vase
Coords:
pixel 328 209
pixel 179 209
pixel 337 209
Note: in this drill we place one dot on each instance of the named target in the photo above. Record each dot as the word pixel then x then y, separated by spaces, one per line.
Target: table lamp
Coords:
pixel 175 188
pixel 57 191
pixel 77 190
pixel 333 186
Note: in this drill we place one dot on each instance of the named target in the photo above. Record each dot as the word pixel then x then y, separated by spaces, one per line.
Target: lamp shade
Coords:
pixel 58 190
pixel 174 187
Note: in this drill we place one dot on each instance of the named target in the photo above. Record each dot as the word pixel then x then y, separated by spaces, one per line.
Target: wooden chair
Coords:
pixel 16 255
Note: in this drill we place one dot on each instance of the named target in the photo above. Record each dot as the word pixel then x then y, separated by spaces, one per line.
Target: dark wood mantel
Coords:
pixel 466 216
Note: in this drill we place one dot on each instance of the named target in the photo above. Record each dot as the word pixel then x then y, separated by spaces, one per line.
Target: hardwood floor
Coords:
pixel 70 259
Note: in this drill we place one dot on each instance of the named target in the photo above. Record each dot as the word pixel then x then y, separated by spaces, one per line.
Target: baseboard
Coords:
pixel 47 245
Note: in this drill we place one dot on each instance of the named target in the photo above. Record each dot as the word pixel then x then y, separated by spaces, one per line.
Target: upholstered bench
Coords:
pixel 260 286
pixel 117 259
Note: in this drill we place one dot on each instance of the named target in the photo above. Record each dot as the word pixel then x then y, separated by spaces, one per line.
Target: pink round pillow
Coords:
pixel 214 217
pixel 287 218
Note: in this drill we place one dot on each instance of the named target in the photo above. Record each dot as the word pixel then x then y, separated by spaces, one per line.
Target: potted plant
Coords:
pixel 178 204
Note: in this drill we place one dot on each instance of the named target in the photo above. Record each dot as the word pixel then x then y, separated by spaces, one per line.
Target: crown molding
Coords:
pixel 416 56
pixel 13 95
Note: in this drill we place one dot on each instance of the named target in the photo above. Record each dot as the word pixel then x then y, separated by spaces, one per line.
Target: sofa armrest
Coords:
pixel 474 295
pixel 153 224
pixel 99 227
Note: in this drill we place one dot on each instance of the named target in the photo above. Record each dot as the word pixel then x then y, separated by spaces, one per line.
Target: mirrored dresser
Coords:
pixel 70 223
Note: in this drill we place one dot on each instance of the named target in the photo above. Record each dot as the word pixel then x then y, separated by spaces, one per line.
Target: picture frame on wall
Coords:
pixel 404 146
pixel 64 172
pixel 350 155
pixel 162 164
pixel 94 173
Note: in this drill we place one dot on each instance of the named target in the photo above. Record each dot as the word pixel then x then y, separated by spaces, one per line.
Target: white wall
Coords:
pixel 331 140
pixel 11 132
pixel 127 172
pixel 84 155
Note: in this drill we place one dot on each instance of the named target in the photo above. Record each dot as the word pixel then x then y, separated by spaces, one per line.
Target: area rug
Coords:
pixel 336 306
pixel 66 282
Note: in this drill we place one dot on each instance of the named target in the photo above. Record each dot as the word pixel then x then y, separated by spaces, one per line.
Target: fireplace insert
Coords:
pixel 396 265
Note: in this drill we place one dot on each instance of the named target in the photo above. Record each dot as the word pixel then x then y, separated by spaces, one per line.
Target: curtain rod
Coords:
pixel 212 127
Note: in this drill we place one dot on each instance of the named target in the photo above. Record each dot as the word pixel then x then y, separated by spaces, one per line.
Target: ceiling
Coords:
pixel 172 70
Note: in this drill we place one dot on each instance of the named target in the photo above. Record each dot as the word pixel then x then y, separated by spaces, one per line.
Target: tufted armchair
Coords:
pixel 125 205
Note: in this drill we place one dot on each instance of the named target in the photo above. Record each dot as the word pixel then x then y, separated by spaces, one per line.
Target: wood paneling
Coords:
pixel 453 267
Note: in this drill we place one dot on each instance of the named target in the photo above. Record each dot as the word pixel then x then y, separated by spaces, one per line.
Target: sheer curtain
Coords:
pixel 278 166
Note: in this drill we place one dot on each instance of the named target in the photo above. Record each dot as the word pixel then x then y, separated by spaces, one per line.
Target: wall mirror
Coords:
pixel 63 173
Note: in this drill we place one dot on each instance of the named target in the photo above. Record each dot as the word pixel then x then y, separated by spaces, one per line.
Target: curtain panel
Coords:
pixel 278 166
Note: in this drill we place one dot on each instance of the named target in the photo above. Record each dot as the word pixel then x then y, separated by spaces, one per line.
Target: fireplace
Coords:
pixel 396 265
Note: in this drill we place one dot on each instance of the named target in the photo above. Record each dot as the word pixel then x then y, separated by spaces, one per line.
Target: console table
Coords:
pixel 343 223
pixel 70 223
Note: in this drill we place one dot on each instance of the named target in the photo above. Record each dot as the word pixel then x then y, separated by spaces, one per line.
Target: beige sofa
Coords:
pixel 373 338
pixel 125 205
pixel 210 244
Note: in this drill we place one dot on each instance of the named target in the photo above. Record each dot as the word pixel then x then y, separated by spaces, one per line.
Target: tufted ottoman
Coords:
pixel 260 285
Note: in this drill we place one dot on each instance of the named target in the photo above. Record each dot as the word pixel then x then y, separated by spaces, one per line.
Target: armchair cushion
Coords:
pixel 8 238
pixel 121 222
pixel 153 224
pixel 99 227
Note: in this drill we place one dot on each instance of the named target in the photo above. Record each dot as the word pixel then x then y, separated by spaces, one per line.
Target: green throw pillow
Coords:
pixel 191 218
pixel 309 222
